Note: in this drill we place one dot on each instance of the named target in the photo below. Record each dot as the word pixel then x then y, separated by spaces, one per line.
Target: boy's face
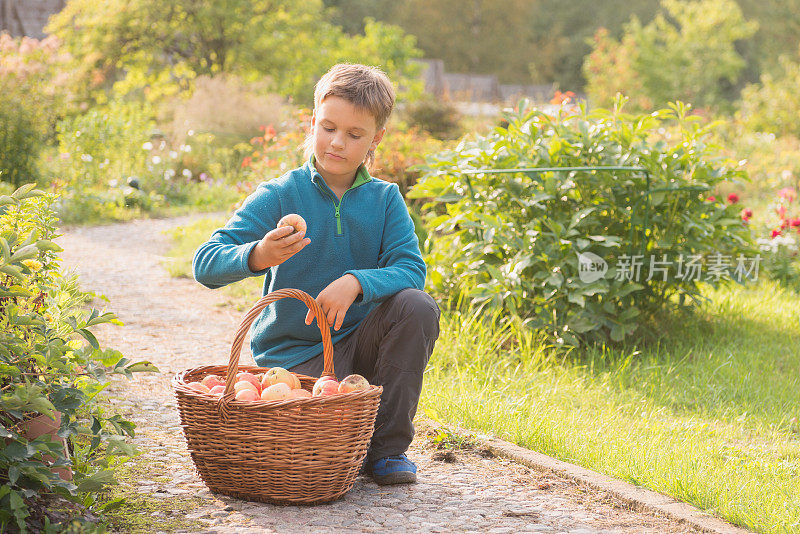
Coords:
pixel 343 134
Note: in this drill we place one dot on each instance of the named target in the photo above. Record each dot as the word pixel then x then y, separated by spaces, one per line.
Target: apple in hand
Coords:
pixel 279 391
pixel 353 383
pixel 293 220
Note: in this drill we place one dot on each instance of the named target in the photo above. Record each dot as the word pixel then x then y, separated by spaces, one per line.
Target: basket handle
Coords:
pixel 263 302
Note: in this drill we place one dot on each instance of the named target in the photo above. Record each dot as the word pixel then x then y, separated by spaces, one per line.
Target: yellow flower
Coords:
pixel 33 265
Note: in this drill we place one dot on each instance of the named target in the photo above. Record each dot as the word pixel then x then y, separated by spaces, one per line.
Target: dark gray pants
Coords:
pixel 390 348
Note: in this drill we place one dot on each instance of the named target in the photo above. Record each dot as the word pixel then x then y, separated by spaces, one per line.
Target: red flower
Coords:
pixel 562 98
pixel 747 213
pixel 247 161
pixel 711 198
pixel 733 198
pixel 776 233
pixel 794 223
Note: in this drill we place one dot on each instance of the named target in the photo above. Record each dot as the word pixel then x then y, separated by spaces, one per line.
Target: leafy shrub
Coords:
pixel 399 154
pixel 31 97
pixel 773 105
pixel 438 118
pixel 50 364
pixel 513 241
pixel 103 144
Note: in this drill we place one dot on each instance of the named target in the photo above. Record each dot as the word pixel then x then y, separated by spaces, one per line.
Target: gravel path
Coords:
pixel 178 324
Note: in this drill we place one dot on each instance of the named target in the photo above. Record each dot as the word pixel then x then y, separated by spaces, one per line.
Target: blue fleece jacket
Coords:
pixel 367 233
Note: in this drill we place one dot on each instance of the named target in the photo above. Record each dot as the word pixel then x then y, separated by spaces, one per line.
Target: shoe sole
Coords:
pixel 398 477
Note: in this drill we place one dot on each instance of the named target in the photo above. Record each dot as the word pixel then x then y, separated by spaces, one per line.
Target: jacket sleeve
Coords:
pixel 223 258
pixel 400 263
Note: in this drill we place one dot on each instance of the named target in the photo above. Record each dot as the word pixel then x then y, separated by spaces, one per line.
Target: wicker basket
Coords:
pixel 299 451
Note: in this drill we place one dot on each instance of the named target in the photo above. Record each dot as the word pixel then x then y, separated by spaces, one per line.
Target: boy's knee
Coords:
pixel 418 304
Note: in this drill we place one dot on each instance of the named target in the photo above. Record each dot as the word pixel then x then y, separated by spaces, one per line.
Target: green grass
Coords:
pixel 186 239
pixel 709 415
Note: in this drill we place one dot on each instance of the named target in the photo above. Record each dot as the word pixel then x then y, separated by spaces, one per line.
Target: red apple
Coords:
pixel 279 391
pixel 323 388
pixel 247 394
pixel 244 384
pixel 299 394
pixel 197 386
pixel 212 380
pixel 318 384
pixel 250 377
pixel 353 383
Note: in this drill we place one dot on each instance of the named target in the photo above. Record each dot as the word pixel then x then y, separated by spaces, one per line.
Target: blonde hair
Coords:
pixel 365 87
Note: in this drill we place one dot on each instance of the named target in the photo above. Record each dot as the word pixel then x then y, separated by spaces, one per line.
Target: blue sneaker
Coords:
pixel 393 470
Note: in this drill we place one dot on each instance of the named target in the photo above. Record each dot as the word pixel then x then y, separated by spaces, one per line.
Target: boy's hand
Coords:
pixel 276 247
pixel 336 299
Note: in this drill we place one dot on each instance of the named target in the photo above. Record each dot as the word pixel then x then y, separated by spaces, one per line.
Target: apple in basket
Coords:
pixel 217 390
pixel 197 386
pixel 278 375
pixel 279 391
pixel 249 377
pixel 246 394
pixel 299 394
pixel 244 384
pixel 353 383
pixel 212 380
pixel 326 385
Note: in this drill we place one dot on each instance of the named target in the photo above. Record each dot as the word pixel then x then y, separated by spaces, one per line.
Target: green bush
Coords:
pixel 20 143
pixel 773 105
pixel 31 97
pixel 513 240
pixel 439 119
pixel 50 364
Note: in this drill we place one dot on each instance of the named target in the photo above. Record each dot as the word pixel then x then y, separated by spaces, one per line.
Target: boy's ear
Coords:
pixel 377 139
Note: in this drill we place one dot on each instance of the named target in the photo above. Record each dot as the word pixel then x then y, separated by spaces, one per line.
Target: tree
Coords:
pixel 686 53
pixel 773 105
pixel 158 48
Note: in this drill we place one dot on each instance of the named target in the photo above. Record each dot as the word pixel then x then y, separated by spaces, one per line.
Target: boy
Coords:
pixel 359 256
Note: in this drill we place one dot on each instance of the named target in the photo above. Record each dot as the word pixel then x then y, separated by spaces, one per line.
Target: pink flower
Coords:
pixel 775 233
pixel 781 211
pixel 794 223
pixel 788 194
pixel 733 198
pixel 711 198
pixel 747 213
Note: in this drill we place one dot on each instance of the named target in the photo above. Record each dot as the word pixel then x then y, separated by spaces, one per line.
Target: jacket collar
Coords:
pixel 362 175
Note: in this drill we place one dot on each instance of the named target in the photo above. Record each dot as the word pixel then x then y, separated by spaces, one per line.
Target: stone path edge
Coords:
pixel 640 498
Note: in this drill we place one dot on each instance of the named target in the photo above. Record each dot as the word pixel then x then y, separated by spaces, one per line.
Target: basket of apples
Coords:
pixel 274 436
